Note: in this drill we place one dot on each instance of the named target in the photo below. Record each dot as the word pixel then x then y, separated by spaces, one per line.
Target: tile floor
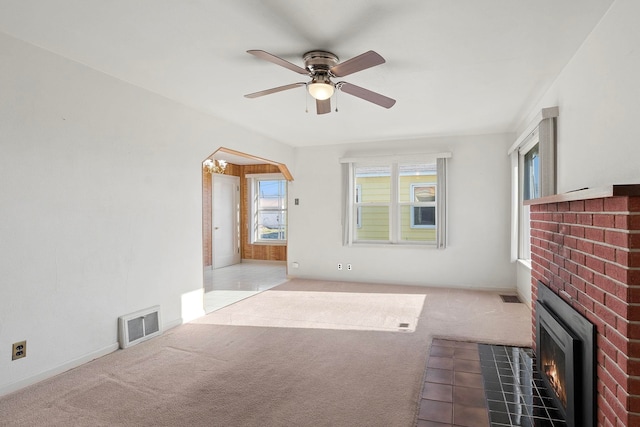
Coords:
pixel 477 385
pixel 228 285
pixel 453 391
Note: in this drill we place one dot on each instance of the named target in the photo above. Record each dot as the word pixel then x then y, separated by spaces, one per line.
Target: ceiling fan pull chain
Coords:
pixel 337 100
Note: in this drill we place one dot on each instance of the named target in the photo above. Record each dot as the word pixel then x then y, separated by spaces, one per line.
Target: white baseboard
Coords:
pixel 178 322
pixel 262 261
pixel 58 370
pixel 74 363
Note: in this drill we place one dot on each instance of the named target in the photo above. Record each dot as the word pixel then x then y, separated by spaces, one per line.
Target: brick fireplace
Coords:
pixel 585 246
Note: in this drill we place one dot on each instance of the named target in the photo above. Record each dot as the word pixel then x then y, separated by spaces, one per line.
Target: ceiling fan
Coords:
pixel 321 67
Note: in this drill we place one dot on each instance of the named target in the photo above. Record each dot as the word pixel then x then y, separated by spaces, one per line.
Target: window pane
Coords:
pixel 532 174
pixel 424 215
pixel 271 194
pixel 424 194
pixel 413 174
pixel 271 225
pixel 374 223
pixel 417 223
pixel 374 183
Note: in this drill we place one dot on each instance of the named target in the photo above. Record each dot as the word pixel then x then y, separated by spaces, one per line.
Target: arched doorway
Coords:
pixel 262 265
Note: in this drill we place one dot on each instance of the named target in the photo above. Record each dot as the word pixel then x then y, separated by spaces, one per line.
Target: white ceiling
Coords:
pixel 454 66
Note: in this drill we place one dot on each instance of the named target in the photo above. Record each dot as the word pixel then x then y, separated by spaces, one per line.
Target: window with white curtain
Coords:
pixel 396 201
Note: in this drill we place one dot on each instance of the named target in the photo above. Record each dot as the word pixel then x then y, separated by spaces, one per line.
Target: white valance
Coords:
pixel 545 113
pixel 398 158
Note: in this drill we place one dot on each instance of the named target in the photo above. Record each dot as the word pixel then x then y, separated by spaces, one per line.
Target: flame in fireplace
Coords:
pixel 555 381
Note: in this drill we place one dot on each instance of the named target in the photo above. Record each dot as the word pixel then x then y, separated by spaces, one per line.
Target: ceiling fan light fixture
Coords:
pixel 321 66
pixel 320 90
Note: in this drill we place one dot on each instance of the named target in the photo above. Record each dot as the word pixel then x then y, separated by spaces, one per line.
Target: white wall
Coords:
pixel 477 255
pixel 100 194
pixel 100 207
pixel 598 94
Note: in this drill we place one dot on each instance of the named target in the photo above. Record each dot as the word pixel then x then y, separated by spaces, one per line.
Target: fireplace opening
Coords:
pixel 558 360
pixel 565 357
pixel 553 364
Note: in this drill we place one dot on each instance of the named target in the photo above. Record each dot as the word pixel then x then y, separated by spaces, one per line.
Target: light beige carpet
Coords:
pixel 305 353
pixel 327 308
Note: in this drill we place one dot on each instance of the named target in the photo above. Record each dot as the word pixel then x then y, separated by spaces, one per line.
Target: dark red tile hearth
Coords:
pixel 453 387
pixel 433 410
pixel 435 391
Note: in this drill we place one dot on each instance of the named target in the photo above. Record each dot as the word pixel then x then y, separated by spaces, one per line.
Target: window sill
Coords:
pixel 395 245
pixel 262 243
pixel 525 263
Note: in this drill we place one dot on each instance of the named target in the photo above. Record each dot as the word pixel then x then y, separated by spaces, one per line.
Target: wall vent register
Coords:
pixel 139 326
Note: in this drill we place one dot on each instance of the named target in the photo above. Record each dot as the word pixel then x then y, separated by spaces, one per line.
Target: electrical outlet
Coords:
pixel 339 266
pixel 19 350
pixel 348 266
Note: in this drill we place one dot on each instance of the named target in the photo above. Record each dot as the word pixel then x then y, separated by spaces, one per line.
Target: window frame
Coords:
pixel 414 204
pixel 255 210
pixel 524 226
pixel 541 132
pixel 395 225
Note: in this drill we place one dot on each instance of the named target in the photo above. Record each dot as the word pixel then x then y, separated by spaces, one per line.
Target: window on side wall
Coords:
pixel 268 209
pixel 529 184
pixel 534 176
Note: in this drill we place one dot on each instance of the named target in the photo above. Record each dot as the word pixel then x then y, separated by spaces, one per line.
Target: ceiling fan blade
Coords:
pixel 359 63
pixel 324 106
pixel 274 90
pixel 279 61
pixel 366 94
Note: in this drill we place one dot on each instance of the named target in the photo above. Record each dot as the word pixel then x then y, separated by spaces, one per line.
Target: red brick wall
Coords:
pixel 588 252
